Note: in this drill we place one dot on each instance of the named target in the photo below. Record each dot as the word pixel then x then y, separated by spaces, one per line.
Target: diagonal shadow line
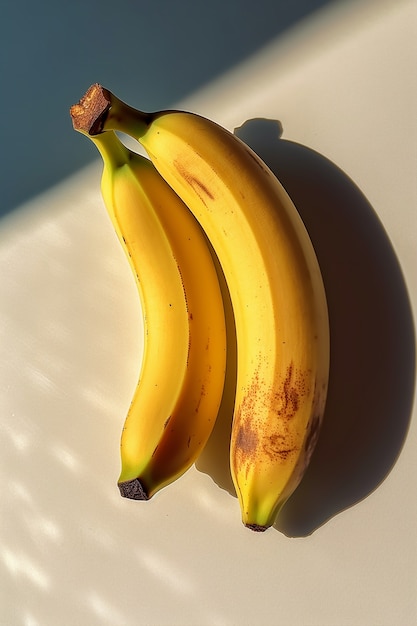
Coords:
pixel 372 375
pixel 44 84
pixel 372 332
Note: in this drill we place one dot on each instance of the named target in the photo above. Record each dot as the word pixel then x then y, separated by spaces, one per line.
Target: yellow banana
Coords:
pixel 276 289
pixel 180 387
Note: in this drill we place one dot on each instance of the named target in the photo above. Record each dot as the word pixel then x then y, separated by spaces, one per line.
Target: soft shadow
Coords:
pixel 372 333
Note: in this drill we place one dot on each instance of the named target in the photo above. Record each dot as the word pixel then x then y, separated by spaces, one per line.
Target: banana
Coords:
pixel 175 403
pixel 276 289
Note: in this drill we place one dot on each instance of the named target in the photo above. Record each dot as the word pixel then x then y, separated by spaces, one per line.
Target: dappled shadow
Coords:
pixel 72 551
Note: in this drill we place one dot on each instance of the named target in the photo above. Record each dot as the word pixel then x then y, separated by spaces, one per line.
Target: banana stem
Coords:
pixel 114 153
pixel 100 110
pixel 122 117
pixel 87 117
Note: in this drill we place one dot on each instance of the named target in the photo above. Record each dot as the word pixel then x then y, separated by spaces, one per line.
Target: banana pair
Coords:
pixel 201 184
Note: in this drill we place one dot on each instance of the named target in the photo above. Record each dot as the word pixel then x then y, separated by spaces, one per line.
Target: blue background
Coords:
pixel 151 54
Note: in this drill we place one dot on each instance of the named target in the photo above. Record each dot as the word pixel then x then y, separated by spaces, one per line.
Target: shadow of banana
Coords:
pixel 372 338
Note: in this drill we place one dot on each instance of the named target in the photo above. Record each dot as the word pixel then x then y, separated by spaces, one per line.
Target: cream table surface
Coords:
pixel 331 107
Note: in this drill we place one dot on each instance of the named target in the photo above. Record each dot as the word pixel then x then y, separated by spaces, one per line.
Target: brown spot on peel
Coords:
pixel 247 438
pixel 199 187
pixel 289 395
pixel 312 435
pixel 257 431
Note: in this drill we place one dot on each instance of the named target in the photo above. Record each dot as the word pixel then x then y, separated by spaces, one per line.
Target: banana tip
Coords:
pixel 133 489
pixel 257 528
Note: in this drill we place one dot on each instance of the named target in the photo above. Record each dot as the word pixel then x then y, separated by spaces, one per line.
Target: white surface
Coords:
pixel 72 552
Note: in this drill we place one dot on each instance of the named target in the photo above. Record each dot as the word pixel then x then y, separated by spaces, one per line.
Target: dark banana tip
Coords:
pixel 89 113
pixel 257 528
pixel 133 489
